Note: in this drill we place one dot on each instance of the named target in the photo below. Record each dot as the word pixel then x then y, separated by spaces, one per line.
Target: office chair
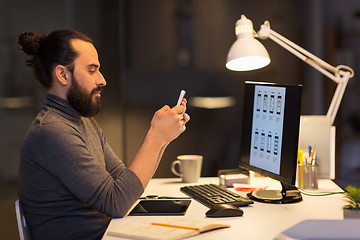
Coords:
pixel 24 232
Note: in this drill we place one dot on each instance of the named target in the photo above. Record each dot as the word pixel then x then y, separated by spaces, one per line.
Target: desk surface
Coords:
pixel 260 220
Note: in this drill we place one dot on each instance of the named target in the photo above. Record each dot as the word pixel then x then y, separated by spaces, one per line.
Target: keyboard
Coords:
pixel 212 194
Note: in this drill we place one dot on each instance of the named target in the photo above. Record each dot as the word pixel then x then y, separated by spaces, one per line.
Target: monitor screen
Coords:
pixel 270 133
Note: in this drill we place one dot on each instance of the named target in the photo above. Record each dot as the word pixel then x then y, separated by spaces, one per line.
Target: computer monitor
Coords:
pixel 269 139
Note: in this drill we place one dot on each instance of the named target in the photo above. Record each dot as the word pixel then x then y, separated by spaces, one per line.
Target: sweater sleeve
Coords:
pixel 89 169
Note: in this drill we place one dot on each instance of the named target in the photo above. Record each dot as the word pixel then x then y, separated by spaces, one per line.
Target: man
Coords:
pixel 70 181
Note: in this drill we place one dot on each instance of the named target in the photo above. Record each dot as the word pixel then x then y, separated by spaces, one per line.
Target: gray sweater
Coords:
pixel 70 181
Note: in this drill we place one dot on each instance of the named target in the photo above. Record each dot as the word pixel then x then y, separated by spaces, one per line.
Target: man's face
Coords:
pixel 87 81
pixel 82 101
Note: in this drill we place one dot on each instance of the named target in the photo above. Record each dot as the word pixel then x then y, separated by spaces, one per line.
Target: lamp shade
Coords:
pixel 247 53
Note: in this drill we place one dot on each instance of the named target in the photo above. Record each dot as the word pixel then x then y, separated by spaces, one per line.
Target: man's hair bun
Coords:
pixel 49 49
pixel 29 43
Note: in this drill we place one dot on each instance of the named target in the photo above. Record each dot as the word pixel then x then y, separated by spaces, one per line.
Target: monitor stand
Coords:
pixel 288 194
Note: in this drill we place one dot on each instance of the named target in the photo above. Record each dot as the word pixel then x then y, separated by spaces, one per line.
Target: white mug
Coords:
pixel 190 167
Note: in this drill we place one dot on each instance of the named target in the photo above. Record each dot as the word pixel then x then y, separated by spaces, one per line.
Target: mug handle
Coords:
pixel 173 169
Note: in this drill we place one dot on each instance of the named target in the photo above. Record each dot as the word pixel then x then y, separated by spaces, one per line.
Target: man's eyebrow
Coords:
pixel 93 65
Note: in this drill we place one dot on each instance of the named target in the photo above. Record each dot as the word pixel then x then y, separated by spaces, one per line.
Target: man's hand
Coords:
pixel 168 123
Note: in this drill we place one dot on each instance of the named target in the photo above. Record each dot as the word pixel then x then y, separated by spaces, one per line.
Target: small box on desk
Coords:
pixel 228 177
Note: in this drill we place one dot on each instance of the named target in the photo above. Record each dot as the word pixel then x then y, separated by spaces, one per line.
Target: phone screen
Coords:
pixel 161 207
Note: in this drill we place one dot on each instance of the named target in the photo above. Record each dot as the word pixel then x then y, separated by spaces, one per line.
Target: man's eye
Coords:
pixel 91 71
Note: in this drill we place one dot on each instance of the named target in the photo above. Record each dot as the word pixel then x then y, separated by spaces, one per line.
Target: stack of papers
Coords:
pixel 347 229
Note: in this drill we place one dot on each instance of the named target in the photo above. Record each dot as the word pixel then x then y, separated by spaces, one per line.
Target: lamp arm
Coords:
pixel 341 77
pixel 336 100
pixel 320 65
pixel 306 53
pixel 303 57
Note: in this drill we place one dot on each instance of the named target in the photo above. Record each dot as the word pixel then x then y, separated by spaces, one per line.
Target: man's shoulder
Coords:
pixel 49 121
pixel 51 116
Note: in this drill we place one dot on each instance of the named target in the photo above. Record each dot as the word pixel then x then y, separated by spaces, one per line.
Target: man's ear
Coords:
pixel 63 75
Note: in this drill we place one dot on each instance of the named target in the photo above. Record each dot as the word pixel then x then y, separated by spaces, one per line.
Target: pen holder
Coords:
pixel 308 176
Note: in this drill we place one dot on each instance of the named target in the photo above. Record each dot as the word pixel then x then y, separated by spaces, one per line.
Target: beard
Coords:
pixel 81 101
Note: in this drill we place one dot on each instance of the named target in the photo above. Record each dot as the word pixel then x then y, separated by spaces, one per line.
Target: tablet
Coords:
pixel 160 207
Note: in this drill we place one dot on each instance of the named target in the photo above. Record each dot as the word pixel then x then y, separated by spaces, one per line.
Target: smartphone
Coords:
pixel 181 96
pixel 161 207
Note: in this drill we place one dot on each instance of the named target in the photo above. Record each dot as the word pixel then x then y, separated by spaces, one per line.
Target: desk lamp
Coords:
pixel 247 53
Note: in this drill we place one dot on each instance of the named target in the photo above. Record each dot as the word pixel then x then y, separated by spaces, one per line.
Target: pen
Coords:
pixel 175 226
pixel 181 96
pixel 312 156
pixel 312 152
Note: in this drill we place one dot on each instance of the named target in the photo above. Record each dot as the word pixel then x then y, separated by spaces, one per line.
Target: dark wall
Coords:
pixel 150 50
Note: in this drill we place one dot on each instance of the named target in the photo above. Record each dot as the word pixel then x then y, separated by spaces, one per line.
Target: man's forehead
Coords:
pixel 86 51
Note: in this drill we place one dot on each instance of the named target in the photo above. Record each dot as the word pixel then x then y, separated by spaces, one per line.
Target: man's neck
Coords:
pixel 56 92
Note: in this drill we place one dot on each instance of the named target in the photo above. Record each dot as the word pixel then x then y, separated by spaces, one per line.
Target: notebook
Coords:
pixel 165 229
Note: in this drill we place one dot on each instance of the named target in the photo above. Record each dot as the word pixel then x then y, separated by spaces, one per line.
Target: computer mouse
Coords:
pixel 224 210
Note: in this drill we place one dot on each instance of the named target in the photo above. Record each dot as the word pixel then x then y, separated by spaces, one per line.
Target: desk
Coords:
pixel 260 220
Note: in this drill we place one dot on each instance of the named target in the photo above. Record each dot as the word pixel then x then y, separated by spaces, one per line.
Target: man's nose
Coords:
pixel 101 80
